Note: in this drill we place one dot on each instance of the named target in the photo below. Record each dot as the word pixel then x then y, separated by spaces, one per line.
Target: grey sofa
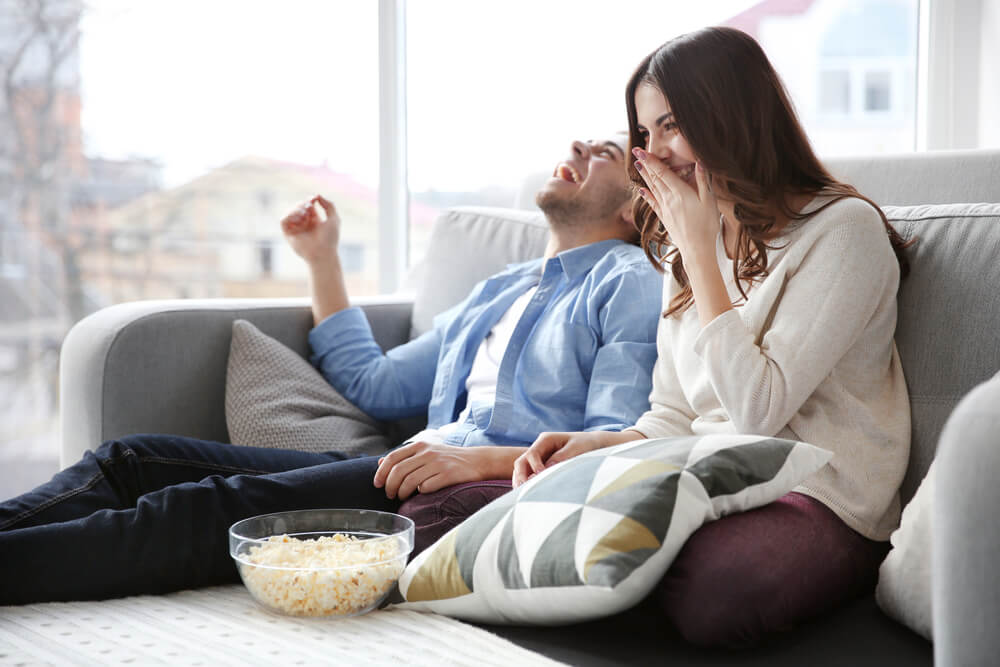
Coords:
pixel 160 367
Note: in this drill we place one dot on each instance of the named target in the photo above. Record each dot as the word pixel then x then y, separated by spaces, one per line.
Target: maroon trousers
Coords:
pixel 736 580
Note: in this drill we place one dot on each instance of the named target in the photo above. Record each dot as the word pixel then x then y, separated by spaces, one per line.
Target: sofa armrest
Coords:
pixel 160 366
pixel 966 538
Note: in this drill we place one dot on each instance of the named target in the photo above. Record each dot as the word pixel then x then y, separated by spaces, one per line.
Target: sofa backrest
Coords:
pixel 949 313
pixel 949 306
pixel 469 244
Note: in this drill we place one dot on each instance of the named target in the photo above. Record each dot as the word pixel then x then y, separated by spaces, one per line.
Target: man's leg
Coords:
pixel 748 575
pixel 120 471
pixel 174 538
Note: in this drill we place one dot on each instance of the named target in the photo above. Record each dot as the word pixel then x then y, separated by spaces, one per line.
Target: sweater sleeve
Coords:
pixel 835 285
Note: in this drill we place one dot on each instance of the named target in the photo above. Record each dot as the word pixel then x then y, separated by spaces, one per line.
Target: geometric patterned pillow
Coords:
pixel 592 535
pixel 275 398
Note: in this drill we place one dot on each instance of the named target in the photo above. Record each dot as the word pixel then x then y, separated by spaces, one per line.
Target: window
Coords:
pixel 835 91
pixel 352 257
pixel 265 255
pixel 865 55
pixel 149 150
pixel 877 91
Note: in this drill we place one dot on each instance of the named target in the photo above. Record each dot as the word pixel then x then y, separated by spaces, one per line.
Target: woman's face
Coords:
pixel 660 134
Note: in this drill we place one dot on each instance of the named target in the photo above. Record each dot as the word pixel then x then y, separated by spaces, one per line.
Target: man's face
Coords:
pixel 590 184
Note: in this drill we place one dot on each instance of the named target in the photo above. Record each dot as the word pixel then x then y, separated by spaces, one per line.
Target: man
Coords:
pixel 566 342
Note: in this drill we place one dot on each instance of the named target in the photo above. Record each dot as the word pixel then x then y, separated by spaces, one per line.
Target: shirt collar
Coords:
pixel 575 261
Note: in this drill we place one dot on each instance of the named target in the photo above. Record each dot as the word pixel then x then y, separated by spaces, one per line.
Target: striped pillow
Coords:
pixel 591 536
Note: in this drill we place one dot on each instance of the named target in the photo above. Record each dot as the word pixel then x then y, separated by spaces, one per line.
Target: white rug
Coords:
pixel 224 626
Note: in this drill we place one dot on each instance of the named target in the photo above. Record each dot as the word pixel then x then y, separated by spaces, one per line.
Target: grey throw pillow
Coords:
pixel 275 398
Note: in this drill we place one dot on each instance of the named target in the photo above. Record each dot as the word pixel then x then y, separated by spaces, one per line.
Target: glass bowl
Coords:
pixel 322 562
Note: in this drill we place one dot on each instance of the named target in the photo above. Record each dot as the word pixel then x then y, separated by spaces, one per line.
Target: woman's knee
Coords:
pixel 753 574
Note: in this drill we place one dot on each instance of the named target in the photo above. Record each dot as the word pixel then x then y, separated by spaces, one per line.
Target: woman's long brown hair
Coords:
pixel 733 110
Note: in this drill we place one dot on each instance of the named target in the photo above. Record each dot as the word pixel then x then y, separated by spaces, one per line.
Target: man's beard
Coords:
pixel 573 211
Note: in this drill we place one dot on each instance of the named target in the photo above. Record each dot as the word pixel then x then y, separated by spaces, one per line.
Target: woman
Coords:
pixel 779 314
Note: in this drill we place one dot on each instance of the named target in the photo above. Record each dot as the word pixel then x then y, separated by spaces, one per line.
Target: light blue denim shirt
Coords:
pixel 580 358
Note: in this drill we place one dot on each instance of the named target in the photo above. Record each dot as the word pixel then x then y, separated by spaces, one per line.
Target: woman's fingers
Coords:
pixel 575 445
pixel 535 458
pixel 564 454
pixel 543 448
pixel 522 471
pixel 648 197
pixel 689 213
pixel 655 188
pixel 661 191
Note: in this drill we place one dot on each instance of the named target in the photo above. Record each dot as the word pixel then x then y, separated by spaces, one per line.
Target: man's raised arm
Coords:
pixel 314 237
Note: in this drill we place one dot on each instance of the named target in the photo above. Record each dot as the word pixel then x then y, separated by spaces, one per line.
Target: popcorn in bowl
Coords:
pixel 300 564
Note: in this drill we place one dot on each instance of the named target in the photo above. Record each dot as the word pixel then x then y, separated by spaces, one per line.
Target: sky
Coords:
pixel 495 90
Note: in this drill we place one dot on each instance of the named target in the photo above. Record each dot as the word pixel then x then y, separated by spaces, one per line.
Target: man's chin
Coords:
pixel 554 206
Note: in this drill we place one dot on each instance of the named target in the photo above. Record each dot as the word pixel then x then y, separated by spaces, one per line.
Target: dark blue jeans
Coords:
pixel 151 513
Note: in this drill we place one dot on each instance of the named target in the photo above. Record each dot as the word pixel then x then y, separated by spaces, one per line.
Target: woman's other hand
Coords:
pixel 552 448
pixel 313 235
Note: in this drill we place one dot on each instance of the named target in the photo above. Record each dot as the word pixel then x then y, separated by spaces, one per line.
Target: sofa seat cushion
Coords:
pixel 856 633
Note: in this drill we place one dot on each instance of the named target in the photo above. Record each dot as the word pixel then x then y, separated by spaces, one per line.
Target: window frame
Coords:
pixel 393 185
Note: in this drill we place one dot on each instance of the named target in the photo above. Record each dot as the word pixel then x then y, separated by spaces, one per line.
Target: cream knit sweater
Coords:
pixel 809 356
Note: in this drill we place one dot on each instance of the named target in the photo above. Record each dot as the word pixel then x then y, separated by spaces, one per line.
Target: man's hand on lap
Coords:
pixel 424 467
